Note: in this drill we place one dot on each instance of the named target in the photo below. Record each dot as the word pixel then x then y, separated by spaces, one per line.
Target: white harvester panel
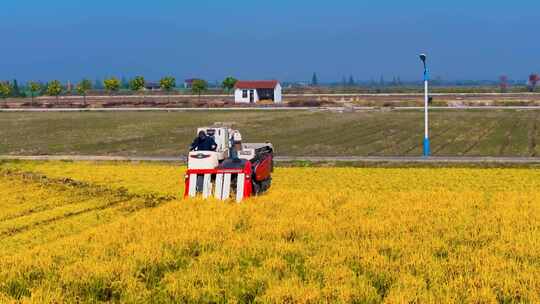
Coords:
pixel 203 160
pixel 192 185
pixel 207 186
pixel 219 186
pixel 240 187
pixel 223 186
pixel 222 189
pixel 226 190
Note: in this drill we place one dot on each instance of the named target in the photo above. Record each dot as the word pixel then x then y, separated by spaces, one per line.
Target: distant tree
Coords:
pixel 167 83
pixel 55 89
pixel 533 81
pixel 15 91
pixel 34 88
pixel 351 81
pixel 111 85
pixel 198 86
pixel 5 89
pixel 381 81
pixel 503 83
pixel 83 87
pixel 137 84
pixel 314 80
pixel 229 83
pixel 399 81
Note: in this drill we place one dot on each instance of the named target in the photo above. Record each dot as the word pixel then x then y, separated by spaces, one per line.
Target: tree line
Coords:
pixel 111 85
pixel 504 82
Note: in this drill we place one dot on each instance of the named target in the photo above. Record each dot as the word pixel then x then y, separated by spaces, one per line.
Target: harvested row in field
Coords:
pixel 36 209
pixel 298 133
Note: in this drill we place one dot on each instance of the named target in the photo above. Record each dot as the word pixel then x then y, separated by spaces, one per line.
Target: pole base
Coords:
pixel 427 150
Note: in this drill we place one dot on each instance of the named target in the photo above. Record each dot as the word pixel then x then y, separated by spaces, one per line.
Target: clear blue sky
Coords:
pixel 287 40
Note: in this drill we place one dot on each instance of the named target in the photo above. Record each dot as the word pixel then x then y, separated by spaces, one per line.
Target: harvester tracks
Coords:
pixel 397 143
pixel 532 136
pixel 442 146
pixel 368 132
pixel 508 136
pixel 75 188
pixel 69 183
pixel 12 232
pixel 460 133
pixel 115 198
pixel 397 133
pixel 396 130
pixel 437 135
pixel 479 138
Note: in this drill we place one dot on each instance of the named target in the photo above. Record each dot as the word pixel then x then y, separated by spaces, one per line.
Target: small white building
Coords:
pixel 255 91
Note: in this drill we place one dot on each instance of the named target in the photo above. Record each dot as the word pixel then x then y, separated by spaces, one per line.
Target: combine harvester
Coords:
pixel 235 170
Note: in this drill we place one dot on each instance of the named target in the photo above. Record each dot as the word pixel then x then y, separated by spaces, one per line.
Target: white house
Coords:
pixel 255 91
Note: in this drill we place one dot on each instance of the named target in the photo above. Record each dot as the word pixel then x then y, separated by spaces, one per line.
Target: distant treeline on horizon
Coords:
pixel 14 88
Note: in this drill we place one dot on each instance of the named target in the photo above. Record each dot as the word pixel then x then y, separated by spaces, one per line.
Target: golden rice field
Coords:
pixel 120 232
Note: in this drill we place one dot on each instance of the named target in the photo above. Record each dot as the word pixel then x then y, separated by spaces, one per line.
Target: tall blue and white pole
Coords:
pixel 427 150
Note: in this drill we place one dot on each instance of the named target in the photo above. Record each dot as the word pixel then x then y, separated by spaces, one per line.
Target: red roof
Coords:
pixel 259 84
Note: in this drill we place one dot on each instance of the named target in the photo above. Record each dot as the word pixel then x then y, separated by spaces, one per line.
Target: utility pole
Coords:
pixel 427 150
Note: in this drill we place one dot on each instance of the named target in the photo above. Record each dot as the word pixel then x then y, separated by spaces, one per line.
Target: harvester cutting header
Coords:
pixel 221 165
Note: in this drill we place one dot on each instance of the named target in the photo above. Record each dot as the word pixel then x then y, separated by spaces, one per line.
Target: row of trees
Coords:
pixel 504 82
pixel 111 85
pixel 396 81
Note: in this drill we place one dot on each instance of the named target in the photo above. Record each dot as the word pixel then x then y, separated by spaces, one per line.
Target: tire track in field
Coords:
pixel 72 200
pixel 448 143
pixel 392 133
pixel 480 137
pixel 405 139
pixel 326 136
pixel 370 133
pixel 396 130
pixel 444 145
pixel 367 132
pixel 20 229
pixel 373 129
pixel 115 197
pixel 532 136
pixel 437 135
pixel 508 135
pixel 397 143
pixel 344 139
pixel 39 209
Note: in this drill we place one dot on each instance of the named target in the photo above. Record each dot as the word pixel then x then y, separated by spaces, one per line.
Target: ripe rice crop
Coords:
pixel 119 232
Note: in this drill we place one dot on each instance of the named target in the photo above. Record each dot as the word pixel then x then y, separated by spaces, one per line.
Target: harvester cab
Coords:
pixel 235 170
